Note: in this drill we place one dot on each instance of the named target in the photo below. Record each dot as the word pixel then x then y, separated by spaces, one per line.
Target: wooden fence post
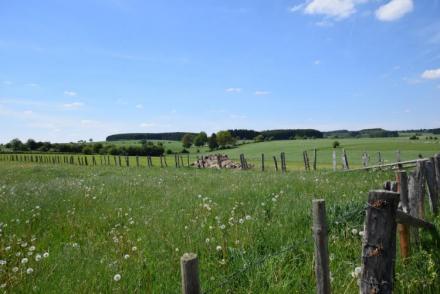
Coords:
pixel 321 247
pixel 379 243
pixel 404 235
pixel 432 185
pixel 314 158
pixel 276 164
pixel 437 171
pixel 414 193
pixel 189 269
pixel 283 162
pixel 262 161
pixel 334 160
pixel 345 160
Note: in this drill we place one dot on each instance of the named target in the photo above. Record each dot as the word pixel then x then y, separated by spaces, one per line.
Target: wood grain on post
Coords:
pixel 437 171
pixel 379 243
pixel 413 203
pixel 322 270
pixel 403 229
pixel 421 179
pixel 432 185
pixel 189 268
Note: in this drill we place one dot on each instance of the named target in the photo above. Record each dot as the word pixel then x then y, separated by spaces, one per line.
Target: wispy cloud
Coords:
pixel 139 106
pixel 33 85
pixel 431 74
pixel 233 90
pixel 70 93
pixel 73 105
pixel 147 125
pixel 394 9
pixel 317 62
pixel 7 83
pixel 262 93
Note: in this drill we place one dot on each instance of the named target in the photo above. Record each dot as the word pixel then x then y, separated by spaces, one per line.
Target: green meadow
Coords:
pixel 77 229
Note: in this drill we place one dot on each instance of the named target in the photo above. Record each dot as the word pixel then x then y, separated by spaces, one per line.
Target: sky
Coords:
pixel 74 70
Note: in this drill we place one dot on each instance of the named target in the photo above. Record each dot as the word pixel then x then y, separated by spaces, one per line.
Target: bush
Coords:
pixel 169 151
pixel 336 144
pixel 413 137
pixel 184 151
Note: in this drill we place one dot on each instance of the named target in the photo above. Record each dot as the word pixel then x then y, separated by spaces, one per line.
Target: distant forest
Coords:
pixel 283 134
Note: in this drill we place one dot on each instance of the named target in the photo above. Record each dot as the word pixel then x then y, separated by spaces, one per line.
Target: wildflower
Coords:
pixel 24 244
pixel 15 269
pixel 8 248
pixel 356 273
pixel 222 227
pixel 126 256
pixel 241 221
pixel 218 248
pixel 354 231
pixel 177 249
pixel 117 278
pixel 207 240
pixel 248 217
pixel 38 257
pixel 46 254
pixel 134 248
pixel 24 260
pixel 263 204
pixel 3 286
pixel 2 262
pixel 29 271
pixel 361 233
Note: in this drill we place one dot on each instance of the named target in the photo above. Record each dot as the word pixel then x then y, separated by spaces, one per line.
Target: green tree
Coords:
pixel 31 144
pixel 16 145
pixel 187 140
pixel 200 139
pixel 212 142
pixel 225 138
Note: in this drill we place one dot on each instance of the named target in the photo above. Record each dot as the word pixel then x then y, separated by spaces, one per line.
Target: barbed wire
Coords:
pixel 258 262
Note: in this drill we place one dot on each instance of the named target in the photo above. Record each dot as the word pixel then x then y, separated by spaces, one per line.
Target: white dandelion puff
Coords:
pixel 117 277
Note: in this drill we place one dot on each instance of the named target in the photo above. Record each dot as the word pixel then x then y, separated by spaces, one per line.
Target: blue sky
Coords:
pixel 72 70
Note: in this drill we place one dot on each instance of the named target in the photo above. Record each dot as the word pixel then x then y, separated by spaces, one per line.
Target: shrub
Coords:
pixel 336 144
pixel 413 137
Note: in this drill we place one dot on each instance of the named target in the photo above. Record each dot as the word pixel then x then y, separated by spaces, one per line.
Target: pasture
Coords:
pixel 251 230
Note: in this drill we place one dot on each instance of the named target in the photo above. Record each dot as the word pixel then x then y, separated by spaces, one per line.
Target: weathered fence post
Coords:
pixel 379 243
pixel 432 185
pixel 276 164
pixel 262 161
pixel 189 269
pixel 404 235
pixel 161 161
pixel 137 160
pixel 379 157
pixel 283 162
pixel 345 160
pixel 334 160
pixel 437 171
pixel 322 270
pixel 314 158
pixel 414 194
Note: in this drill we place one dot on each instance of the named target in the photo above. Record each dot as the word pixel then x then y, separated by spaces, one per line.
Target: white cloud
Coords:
pixel 431 74
pixel 317 62
pixel 7 83
pixel 233 90
pixel 297 7
pixel 73 105
pixel 262 93
pixel 139 106
pixel 34 85
pixel 70 93
pixel 337 9
pixel 394 10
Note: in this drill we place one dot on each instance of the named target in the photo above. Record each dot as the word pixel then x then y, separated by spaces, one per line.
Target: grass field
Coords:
pixel 98 222
pixel 409 149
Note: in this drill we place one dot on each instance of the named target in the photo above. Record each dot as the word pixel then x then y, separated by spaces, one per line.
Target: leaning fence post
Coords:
pixel 189 268
pixel 276 164
pixel 404 235
pixel 321 247
pixel 379 243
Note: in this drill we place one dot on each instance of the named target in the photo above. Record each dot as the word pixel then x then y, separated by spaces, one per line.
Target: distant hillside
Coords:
pixel 175 136
pixel 366 133
pixel 285 134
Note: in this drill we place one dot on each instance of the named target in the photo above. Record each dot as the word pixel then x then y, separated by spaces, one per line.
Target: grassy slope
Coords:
pixel 108 210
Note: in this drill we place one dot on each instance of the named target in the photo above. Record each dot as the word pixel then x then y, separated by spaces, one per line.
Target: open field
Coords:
pixel 409 149
pixel 96 222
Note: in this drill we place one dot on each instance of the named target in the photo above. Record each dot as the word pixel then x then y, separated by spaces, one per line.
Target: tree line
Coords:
pixel 145 149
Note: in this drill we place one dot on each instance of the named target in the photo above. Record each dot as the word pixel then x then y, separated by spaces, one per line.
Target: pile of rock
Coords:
pixel 216 161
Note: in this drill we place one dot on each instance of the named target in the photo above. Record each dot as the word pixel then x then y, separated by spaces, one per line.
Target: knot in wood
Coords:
pixel 379 203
